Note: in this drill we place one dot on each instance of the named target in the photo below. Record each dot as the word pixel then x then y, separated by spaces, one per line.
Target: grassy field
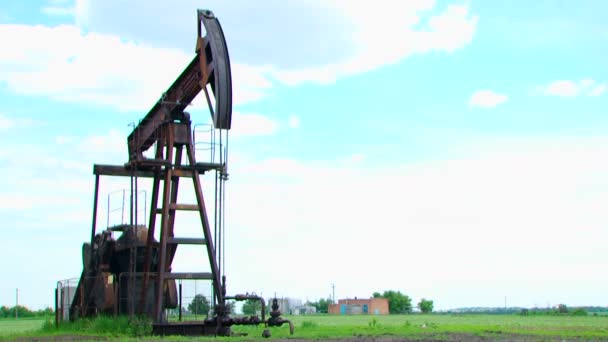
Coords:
pixel 443 327
pixel 118 328
pixel 10 326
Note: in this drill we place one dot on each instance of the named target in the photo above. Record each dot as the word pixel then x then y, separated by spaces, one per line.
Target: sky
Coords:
pixel 454 151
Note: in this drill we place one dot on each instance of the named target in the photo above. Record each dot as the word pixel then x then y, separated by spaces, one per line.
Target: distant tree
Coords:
pixel 45 312
pixel 199 305
pixel 579 312
pixel 398 303
pixel 22 311
pixel 562 309
pixel 175 311
pixel 377 295
pixel 251 307
pixel 231 305
pixel 425 306
pixel 4 311
pixel 322 305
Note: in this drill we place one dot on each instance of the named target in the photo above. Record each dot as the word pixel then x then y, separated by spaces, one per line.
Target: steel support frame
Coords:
pixel 170 151
pixel 168 173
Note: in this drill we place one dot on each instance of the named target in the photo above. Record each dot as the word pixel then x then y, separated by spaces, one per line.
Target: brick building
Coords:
pixel 373 306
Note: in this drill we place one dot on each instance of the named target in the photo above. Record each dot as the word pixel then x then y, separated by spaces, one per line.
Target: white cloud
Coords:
pixel 529 207
pixel 293 121
pixel 249 83
pixel 62 140
pixel 134 75
pixel 568 88
pixel 586 83
pixel 6 123
pixel 251 124
pixel 357 158
pixel 51 198
pixel 524 205
pixel 114 142
pixel 72 66
pixel 349 38
pixel 52 177
pixel 486 99
pixel 453 29
pixel 562 88
pixel 59 11
pixel 14 201
pixel 391 30
pixel 598 90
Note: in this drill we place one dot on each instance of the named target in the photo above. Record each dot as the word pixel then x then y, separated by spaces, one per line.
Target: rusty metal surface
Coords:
pixel 211 65
pixel 217 64
pixel 275 319
pixel 220 323
pixel 106 265
pixel 132 274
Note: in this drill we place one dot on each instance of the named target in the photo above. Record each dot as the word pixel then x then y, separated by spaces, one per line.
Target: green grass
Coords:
pixel 419 326
pixel 110 327
pixel 331 327
pixel 104 326
pixel 11 326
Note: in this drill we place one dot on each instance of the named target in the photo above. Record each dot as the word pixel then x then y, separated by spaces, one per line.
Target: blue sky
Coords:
pixel 449 150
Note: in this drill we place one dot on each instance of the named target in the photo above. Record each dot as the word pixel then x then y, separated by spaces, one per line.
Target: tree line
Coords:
pixel 398 303
pixel 22 311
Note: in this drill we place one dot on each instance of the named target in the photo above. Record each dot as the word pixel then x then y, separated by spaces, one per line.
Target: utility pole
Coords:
pixel 17 304
pixel 333 293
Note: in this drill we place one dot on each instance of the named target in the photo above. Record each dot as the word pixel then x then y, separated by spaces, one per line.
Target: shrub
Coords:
pixel 579 312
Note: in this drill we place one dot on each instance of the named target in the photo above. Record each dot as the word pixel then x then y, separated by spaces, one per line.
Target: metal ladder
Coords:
pixel 168 167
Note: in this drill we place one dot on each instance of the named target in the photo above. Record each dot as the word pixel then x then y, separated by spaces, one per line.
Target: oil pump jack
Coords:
pixel 133 274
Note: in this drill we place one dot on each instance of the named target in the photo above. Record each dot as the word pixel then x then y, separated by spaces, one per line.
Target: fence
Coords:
pixel 193 298
pixel 74 291
pixel 64 295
